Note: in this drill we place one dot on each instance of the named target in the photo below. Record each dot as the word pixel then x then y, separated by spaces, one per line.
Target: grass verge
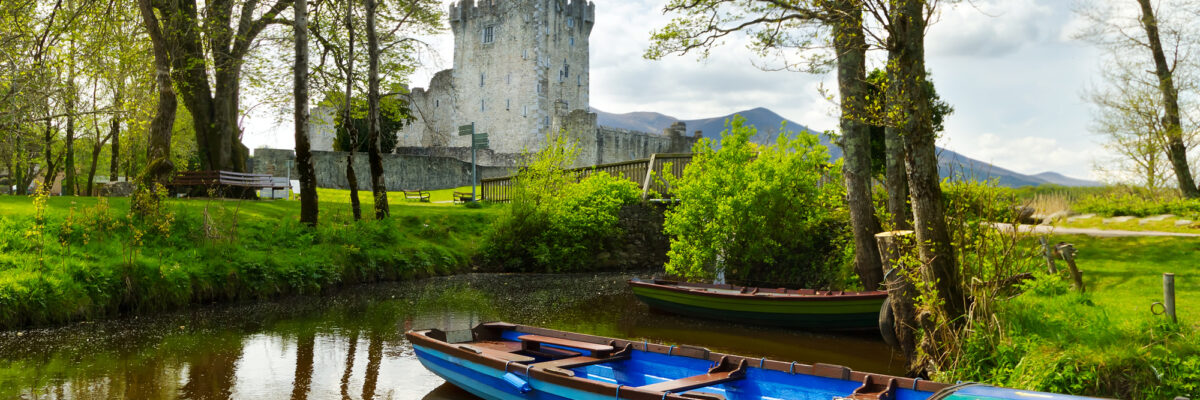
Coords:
pixel 1104 342
pixel 75 258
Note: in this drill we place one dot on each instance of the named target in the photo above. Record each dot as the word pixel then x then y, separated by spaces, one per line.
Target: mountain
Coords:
pixel 950 164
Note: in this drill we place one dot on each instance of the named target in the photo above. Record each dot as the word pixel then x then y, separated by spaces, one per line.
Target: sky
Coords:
pixel 1010 68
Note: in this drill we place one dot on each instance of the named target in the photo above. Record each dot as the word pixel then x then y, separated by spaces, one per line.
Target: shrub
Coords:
pixel 1138 203
pixel 555 224
pixel 759 214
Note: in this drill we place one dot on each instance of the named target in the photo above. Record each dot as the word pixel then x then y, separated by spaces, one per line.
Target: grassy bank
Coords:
pixel 79 258
pixel 1104 342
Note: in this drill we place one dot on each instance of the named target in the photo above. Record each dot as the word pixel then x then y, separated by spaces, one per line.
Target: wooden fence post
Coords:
pixel 1169 296
pixel 1048 254
pixel 1067 251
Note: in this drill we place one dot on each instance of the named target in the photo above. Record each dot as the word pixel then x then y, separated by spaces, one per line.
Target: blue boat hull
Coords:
pixel 479 368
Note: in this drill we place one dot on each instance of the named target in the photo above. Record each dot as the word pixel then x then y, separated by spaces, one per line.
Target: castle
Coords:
pixel 521 71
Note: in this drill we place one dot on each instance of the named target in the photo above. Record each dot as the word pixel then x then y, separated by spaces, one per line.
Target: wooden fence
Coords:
pixel 652 174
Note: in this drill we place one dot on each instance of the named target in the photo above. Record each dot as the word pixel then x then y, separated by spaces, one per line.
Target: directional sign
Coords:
pixel 464 130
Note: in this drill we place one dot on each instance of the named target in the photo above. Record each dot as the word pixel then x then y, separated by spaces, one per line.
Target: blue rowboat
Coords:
pixel 505 361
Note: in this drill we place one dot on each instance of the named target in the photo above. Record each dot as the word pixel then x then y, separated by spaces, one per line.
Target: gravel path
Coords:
pixel 1090 231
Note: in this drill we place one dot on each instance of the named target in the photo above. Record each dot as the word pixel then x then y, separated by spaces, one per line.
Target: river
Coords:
pixel 350 345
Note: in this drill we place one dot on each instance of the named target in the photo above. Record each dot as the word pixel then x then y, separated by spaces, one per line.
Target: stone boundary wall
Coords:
pixel 483 157
pixel 403 172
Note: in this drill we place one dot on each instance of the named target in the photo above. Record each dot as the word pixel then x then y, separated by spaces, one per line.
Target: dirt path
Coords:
pixel 1089 231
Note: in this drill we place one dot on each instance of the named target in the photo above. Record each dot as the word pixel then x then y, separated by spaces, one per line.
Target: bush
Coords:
pixel 771 214
pixel 555 224
pixel 1138 203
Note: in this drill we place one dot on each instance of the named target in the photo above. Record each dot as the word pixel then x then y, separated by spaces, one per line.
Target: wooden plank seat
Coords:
pixel 418 195
pixel 498 345
pixel 722 372
pixel 463 197
pixel 535 342
pixel 583 361
pixel 503 355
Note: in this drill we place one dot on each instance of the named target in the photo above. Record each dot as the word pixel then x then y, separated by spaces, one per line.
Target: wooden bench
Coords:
pixel 506 356
pixel 418 195
pixel 463 197
pixel 535 342
pixel 221 180
pixel 721 373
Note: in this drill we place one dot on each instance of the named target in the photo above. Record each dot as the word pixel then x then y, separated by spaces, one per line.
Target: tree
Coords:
pixel 887 148
pixel 158 147
pixel 1145 89
pixel 791 31
pixel 394 116
pixel 1176 150
pixel 204 40
pixel 304 162
pixel 378 182
pixel 909 110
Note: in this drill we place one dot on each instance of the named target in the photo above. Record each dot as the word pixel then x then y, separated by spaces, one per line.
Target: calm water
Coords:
pixel 351 345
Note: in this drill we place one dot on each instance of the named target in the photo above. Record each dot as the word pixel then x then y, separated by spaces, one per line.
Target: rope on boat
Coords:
pixel 506 366
pixel 792 370
pixel 670 350
pixel 915 380
pixel 761 361
pixel 949 390
pixel 618 396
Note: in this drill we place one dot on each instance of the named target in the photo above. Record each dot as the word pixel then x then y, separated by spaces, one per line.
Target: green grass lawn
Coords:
pixel 90 258
pixel 1166 225
pixel 1105 342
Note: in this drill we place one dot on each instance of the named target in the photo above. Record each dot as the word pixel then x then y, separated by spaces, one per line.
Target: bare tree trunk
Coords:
pixel 1176 150
pixel 51 167
pixel 96 149
pixel 378 183
pixel 895 173
pixel 851 47
pixel 916 125
pixel 158 168
pixel 68 187
pixel 115 161
pixel 304 162
pixel 348 121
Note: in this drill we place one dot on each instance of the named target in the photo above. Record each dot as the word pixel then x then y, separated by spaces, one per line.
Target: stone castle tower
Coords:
pixel 519 67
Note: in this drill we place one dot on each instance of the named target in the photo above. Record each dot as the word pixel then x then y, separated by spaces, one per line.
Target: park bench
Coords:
pixel 418 195
pixel 221 181
pixel 463 197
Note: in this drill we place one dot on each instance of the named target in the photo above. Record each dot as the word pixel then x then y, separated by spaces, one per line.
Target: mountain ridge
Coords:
pixel 950 163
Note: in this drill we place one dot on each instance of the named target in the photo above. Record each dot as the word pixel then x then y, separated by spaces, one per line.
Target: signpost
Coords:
pixel 478 141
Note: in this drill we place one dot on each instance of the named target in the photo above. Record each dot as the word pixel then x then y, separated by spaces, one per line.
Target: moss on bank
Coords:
pixel 81 258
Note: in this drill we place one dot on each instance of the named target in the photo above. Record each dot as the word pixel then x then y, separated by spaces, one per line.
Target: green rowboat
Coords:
pixel 803 308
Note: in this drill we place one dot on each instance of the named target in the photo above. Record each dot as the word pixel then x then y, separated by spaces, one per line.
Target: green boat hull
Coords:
pixel 832 314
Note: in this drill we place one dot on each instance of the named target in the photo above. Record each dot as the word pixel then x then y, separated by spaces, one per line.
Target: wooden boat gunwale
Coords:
pixel 435 339
pixel 755 293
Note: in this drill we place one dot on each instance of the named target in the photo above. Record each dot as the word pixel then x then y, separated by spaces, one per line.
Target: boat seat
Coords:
pixel 721 373
pixel 498 345
pixel 552 353
pixel 535 342
pixel 872 389
pixel 503 355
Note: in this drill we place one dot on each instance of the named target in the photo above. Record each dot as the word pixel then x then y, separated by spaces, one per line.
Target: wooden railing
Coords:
pixel 651 175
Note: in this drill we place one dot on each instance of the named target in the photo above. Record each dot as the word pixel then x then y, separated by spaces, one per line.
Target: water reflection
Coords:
pixel 351 345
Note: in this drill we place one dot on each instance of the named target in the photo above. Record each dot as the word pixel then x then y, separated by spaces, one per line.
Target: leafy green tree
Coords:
pixel 773 214
pixel 802 35
pixel 395 116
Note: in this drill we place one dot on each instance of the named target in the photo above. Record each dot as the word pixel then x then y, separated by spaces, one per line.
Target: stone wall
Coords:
pixel 483 156
pixel 602 144
pixel 402 171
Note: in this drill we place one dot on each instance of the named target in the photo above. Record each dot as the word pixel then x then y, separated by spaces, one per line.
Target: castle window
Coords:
pixel 437 102
pixel 481 108
pixel 509 79
pixel 507 104
pixel 524 54
pixel 566 69
pixel 570 22
pixel 578 80
pixel 572 40
pixel 525 111
pixel 488 35
pixel 480 79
